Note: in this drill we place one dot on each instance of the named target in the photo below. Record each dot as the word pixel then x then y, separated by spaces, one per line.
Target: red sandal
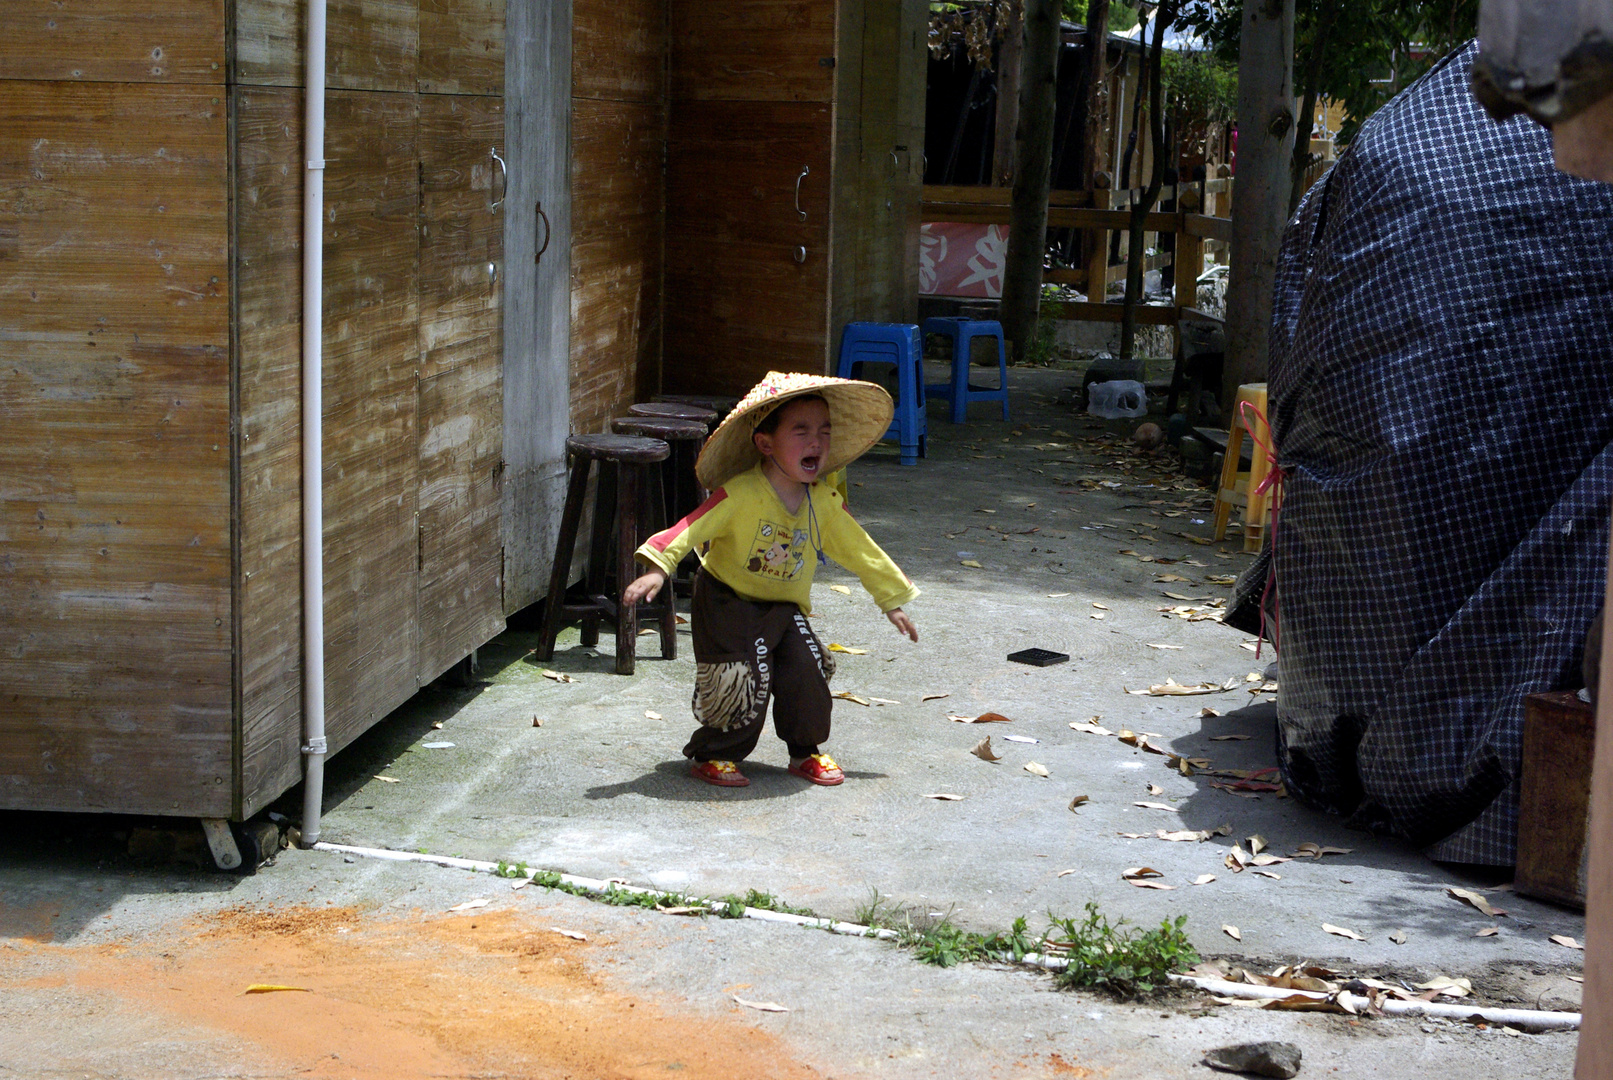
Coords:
pixel 820 769
pixel 719 773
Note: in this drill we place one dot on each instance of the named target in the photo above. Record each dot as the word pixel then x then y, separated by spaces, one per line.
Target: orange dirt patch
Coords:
pixel 489 992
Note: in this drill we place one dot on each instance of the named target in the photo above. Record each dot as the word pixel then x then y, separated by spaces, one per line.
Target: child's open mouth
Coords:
pixel 809 464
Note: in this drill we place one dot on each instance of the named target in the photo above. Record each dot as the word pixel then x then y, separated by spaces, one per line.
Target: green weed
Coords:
pixel 1126 963
pixel 735 905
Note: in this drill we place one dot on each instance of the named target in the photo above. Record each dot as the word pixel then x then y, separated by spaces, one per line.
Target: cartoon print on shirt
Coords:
pixel 777 552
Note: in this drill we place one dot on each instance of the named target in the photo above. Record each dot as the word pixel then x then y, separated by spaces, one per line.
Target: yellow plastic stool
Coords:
pixel 1236 487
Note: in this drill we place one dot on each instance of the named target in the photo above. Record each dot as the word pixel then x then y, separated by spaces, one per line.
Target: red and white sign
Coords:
pixel 962 260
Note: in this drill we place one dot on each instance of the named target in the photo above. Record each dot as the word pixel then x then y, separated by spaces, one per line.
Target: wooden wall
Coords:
pixel 115 498
pixel 618 145
pixel 752 92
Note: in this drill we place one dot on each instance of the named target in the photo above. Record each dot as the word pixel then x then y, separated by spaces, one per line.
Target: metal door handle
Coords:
pixel 805 170
pixel 504 178
pixel 548 231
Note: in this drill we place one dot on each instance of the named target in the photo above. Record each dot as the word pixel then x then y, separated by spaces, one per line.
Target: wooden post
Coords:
pixel 1033 164
pixel 1098 246
pixel 1596 1028
pixel 1189 258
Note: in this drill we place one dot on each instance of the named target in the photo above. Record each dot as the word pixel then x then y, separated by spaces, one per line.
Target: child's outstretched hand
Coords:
pixel 899 619
pixel 643 589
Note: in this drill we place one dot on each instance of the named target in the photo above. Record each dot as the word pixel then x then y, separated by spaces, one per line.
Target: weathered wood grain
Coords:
pixel 268 276
pixel 461 499
pixel 616 244
pixel 168 41
pixel 370 44
pixel 116 684
pixel 619 49
pixel 461 242
pixel 461 47
pixel 371 342
pixel 738 304
pixel 461 388
pixel 758 50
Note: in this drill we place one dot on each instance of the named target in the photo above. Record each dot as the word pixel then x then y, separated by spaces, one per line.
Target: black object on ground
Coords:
pixel 1038 657
pixel 1278 1059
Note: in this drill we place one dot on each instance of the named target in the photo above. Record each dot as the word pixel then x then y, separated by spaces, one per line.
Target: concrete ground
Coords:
pixel 1058 513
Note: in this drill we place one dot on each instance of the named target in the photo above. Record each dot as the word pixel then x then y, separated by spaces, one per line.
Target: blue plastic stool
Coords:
pixel 959 392
pixel 899 344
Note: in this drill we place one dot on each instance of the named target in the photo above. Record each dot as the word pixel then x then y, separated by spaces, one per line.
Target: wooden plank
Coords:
pixel 114 468
pixel 980 195
pixel 461 47
pixel 537 294
pixel 370 44
pixel 462 360
pixel 738 304
pixel 168 41
pixel 268 277
pixel 461 498
pixel 1077 311
pixel 461 238
pixel 619 50
pixel 371 342
pixel 616 244
pixel 752 50
pixel 1066 217
pixel 1213 228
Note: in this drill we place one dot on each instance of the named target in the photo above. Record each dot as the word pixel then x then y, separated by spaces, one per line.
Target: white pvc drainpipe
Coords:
pixel 313 432
pixel 1530 1019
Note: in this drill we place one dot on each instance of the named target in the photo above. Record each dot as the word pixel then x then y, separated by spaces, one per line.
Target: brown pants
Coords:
pixel 746 651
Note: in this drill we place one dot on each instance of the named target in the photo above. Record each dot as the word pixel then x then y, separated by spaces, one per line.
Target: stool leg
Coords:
pixel 570 519
pixel 599 546
pixel 1227 493
pixel 960 377
pixel 627 517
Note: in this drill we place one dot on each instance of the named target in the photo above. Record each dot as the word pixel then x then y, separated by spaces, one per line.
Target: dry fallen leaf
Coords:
pixel 1488 931
pixel 1143 877
pixel 1398 937
pixel 760 1006
pixel 1265 859
pixel 1079 800
pixel 1229 738
pixel 557 676
pixel 1204 879
pixel 1155 806
pixel 1477 900
pixel 1172 688
pixel 934 697
pixel 840 589
pixel 1153 645
pixel 984 752
pixel 1342 932
pixel 1309 850
pixel 1566 942
pixel 1101 607
pixel 983 718
pixel 480 901
pixel 1090 728
pixel 1257 843
pixel 1444 984
pixel 1021 739
pixel 1173 577
pixel 848 696
pixel 651 714
pixel 1056 595
pixel 1231 932
pixel 835 646
pixel 1155 789
pixel 274 988
pixel 536 722
pixel 1100 615
pixel 1064 873
pixel 388 779
pixel 1036 769
pixel 1183 835
pixel 1267 873
pixel 943 796
pixel 1207 711
pixel 971 562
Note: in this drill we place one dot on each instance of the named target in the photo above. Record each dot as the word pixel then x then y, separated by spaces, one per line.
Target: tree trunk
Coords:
pixel 1097 87
pixel 1260 195
pixel 1135 250
pixel 1012 33
pixel 1033 162
pixel 1314 56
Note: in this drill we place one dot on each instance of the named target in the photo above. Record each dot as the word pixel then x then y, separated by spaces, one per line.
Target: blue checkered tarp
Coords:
pixel 1442 394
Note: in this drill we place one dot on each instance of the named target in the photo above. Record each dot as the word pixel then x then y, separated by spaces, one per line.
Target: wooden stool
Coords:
pixel 717 403
pixel 1238 488
pixel 675 410
pixel 680 490
pixel 624 488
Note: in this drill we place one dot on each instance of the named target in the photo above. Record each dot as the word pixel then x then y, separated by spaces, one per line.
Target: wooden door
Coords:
pixel 751 127
pixel 462 185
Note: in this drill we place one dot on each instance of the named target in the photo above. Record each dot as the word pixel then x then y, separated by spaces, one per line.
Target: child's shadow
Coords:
pixel 671 781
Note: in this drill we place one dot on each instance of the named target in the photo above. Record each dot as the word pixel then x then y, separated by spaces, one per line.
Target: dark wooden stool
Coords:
pixel 717 403
pixel 674 410
pixel 624 489
pixel 680 491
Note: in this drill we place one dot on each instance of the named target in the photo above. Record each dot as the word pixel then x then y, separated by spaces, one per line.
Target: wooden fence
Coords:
pixel 1100 212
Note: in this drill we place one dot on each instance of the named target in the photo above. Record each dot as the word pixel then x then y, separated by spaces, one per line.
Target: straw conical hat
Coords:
pixel 859 412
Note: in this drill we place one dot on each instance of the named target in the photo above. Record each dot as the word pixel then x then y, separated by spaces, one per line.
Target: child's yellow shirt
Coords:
pixel 752 544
